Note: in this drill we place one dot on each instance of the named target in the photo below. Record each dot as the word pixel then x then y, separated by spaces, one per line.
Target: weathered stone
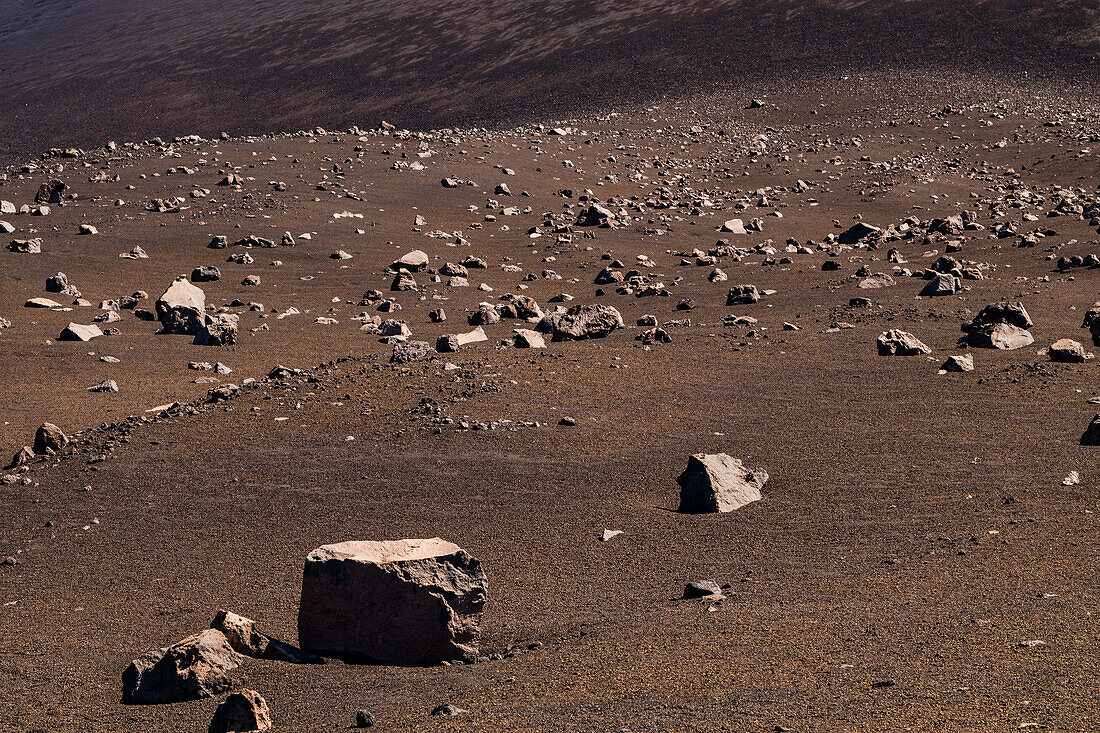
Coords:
pixel 596 216
pixel 1068 351
pixel 584 322
pixel 41 303
pixel 857 233
pixel 1004 312
pixel 49 439
pixel 999 336
pixel 78 332
pixel 182 308
pixel 718 483
pixel 733 226
pixel 411 351
pixel 220 330
pixel 1091 435
pixel 742 295
pixel 527 339
pixel 22 457
pixel 406 602
pixel 246 639
pixel 941 284
pixel 703 589
pixel 206 274
pixel 414 261
pixel 50 192
pixel 964 363
pixel 193 668
pixel 876 282
pixel 896 342
pixel 26 246
pixel 242 712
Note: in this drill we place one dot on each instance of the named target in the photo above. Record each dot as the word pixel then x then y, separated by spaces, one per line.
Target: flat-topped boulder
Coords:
pixel 80 332
pixel 718 483
pixel 404 602
pixel 414 261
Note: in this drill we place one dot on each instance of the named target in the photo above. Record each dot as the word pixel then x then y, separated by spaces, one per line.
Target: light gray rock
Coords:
pixel 896 342
pixel 78 332
pixel 406 602
pixel 999 336
pixel 963 363
pixel 718 483
pixel 220 330
pixel 584 322
pixel 942 284
pixel 527 339
pixel 182 308
pixel 414 261
pixel 1068 351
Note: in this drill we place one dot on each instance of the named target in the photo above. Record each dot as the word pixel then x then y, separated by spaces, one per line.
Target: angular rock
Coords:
pixel 940 285
pixel 1091 435
pixel 896 342
pixel 1068 351
pixel 527 339
pixel 220 330
pixel 703 589
pixel 999 336
pixel 246 639
pixel 733 226
pixel 414 261
pixel 406 602
pixel 50 192
pixel 242 712
pixel 206 274
pixel 585 322
pixel 857 233
pixel 26 246
pixel 964 363
pixel 718 483
pixel 742 295
pixel 1004 312
pixel 182 308
pixel 411 351
pixel 193 668
pixel 78 332
pixel 49 439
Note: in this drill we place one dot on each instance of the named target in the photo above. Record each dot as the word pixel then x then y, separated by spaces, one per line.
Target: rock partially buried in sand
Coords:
pixel 896 342
pixel 242 712
pixel 191 669
pixel 405 602
pixel 718 483
pixel 182 308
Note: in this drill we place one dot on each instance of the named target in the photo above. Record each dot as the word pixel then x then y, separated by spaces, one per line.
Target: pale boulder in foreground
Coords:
pixel 191 669
pixel 718 483
pixel 404 602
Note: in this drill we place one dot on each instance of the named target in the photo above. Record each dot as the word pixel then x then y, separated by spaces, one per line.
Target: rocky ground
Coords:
pixel 921 559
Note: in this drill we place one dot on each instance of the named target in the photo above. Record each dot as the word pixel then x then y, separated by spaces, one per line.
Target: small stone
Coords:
pixel 242 712
pixel 448 709
pixel 567 422
pixel 896 342
pixel 363 719
pixel 1068 351
pixel 703 589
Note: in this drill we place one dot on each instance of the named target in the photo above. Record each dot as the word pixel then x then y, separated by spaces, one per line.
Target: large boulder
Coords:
pixel 414 261
pixel 49 439
pixel 1068 351
pixel 718 483
pixel 896 342
pixel 242 712
pixel 999 336
pixel 941 284
pixel 1004 312
pixel 743 295
pixel 193 668
pixel 182 308
pixel 405 602
pixel 582 322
